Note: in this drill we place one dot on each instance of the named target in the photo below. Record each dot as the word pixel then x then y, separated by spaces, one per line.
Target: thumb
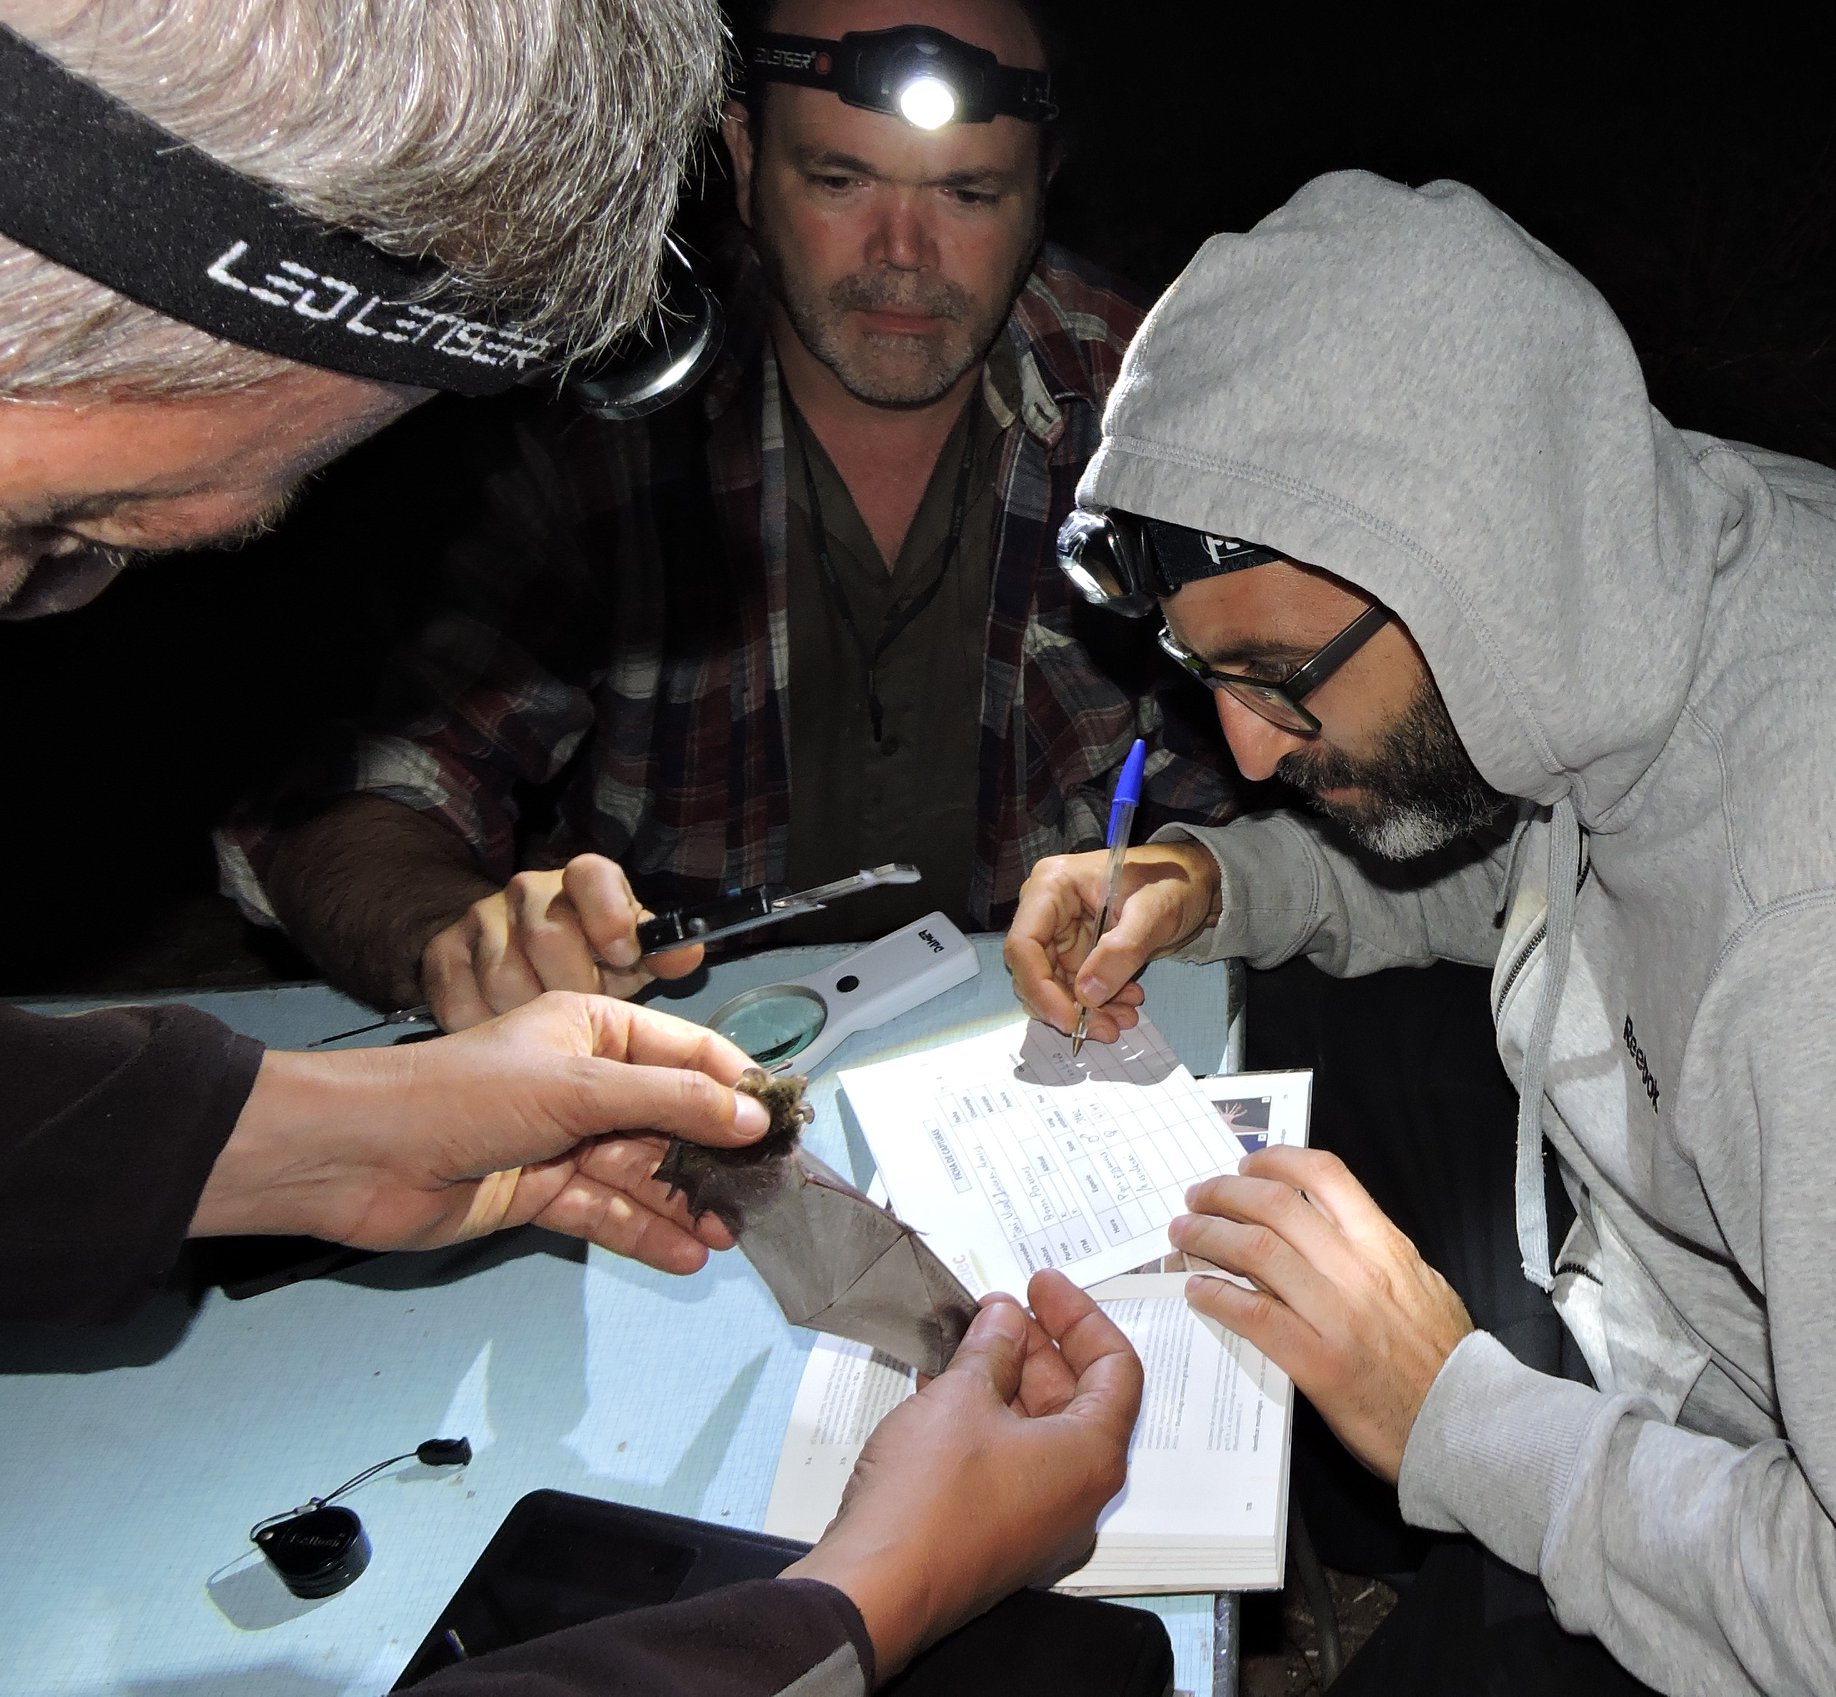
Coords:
pixel 1168 892
pixel 1118 956
pixel 678 963
pixel 621 1097
pixel 993 1349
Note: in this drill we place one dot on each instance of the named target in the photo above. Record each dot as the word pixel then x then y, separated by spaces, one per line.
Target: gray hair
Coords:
pixel 534 148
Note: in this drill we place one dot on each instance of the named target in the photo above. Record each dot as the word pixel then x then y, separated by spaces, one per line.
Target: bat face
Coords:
pixel 732 1183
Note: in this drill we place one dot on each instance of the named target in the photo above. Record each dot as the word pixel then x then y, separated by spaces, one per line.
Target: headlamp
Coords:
pixel 95 186
pixel 1127 563
pixel 923 75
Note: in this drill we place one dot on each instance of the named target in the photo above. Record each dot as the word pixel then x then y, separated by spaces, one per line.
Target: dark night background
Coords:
pixel 1688 177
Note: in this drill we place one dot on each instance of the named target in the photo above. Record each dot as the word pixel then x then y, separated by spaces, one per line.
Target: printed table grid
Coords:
pixel 1067 1172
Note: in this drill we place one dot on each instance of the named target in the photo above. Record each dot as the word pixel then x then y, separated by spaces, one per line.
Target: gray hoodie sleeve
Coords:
pixel 1705 1563
pixel 1289 891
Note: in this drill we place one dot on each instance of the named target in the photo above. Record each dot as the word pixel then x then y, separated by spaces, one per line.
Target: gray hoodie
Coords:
pixel 1634 629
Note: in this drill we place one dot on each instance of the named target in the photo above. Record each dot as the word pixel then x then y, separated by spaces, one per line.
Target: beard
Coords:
pixel 1421 791
pixel 883 368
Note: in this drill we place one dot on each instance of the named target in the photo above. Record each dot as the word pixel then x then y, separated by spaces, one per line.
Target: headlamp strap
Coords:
pixel 93 185
pixel 852 68
pixel 1185 555
pixel 806 60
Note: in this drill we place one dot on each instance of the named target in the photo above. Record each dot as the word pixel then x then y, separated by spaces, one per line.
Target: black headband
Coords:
pixel 865 68
pixel 90 183
pixel 1185 555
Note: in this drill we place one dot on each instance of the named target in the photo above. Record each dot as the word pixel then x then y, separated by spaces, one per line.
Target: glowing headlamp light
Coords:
pixel 923 75
pixel 927 102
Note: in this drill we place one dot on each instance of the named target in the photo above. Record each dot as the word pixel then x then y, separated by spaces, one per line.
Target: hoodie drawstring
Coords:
pixel 1532 1206
pixel 1520 834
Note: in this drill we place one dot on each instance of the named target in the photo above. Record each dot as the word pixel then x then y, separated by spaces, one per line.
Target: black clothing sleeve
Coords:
pixel 110 1123
pixel 752 1639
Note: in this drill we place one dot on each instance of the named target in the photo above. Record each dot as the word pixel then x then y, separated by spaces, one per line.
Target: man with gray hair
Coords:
pixel 239 235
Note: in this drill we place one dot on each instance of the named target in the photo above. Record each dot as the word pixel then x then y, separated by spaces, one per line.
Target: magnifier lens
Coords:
pixel 772 1024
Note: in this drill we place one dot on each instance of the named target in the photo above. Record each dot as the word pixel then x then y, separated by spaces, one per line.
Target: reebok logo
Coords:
pixel 1638 1060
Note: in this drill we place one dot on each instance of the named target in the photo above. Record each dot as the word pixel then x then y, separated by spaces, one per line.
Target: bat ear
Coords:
pixel 752 1079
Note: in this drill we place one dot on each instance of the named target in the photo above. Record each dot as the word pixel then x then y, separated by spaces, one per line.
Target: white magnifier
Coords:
pixel 806 1019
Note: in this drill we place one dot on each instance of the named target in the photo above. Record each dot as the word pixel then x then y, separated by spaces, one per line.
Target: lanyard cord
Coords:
pixel 901 613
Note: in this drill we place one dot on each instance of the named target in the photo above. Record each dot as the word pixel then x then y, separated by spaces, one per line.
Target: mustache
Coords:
pixel 878 291
pixel 1313 770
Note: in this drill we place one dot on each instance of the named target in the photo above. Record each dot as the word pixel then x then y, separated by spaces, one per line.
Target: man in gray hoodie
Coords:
pixel 1483 571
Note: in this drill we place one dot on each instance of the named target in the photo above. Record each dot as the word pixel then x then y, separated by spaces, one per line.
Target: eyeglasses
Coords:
pixel 1280 703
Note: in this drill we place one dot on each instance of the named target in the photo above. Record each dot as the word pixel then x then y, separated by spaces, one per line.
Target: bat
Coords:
pixel 836 1261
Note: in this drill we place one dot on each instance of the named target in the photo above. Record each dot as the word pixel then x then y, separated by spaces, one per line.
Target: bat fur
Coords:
pixel 731 1183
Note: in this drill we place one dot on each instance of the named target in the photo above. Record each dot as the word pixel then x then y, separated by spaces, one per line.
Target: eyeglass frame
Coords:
pixel 1258 695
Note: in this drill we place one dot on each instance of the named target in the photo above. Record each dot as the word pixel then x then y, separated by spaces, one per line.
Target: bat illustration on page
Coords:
pixel 836 1262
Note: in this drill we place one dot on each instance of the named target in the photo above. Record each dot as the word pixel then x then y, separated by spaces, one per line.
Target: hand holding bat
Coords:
pixel 989 1478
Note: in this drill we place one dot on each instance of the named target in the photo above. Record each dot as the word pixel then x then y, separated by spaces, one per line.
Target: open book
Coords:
pixel 1205 1507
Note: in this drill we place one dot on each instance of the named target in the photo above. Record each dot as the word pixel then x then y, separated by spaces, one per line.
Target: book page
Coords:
pixel 1205 1505
pixel 1207 1465
pixel 1010 1154
pixel 1262 1108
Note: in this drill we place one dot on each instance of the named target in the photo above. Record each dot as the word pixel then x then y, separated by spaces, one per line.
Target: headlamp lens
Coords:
pixel 1086 557
pixel 927 102
pixel 1096 556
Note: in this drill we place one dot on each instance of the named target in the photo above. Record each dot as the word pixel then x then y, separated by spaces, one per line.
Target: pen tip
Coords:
pixel 1077 1042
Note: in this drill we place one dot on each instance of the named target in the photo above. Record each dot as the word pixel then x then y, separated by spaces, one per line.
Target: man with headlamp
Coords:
pixel 805 622
pixel 1486 585
pixel 235 237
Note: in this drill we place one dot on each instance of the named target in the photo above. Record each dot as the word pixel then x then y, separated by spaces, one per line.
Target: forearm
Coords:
pixel 285 1169
pixel 1702 1566
pixel 1288 890
pixel 887 1582
pixel 364 885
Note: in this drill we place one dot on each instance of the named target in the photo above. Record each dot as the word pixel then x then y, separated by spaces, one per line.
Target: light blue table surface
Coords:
pixel 136 1458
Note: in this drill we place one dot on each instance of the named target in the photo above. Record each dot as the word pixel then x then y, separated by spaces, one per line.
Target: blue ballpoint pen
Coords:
pixel 1121 821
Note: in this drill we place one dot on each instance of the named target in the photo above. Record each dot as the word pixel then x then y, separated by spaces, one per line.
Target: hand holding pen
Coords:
pixel 1121 822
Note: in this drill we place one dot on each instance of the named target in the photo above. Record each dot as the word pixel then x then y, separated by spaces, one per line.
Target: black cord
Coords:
pixel 358 1478
pixel 1319 1596
pixel 434 1452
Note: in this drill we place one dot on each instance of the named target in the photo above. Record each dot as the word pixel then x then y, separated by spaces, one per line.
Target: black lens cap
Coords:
pixel 317 1553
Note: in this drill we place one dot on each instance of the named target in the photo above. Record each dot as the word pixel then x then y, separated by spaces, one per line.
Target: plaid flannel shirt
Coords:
pixel 614 643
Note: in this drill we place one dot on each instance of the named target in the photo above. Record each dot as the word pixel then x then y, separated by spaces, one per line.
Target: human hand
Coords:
pixel 575 929
pixel 1169 893
pixel 557 1113
pixel 991 1477
pixel 1343 1303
